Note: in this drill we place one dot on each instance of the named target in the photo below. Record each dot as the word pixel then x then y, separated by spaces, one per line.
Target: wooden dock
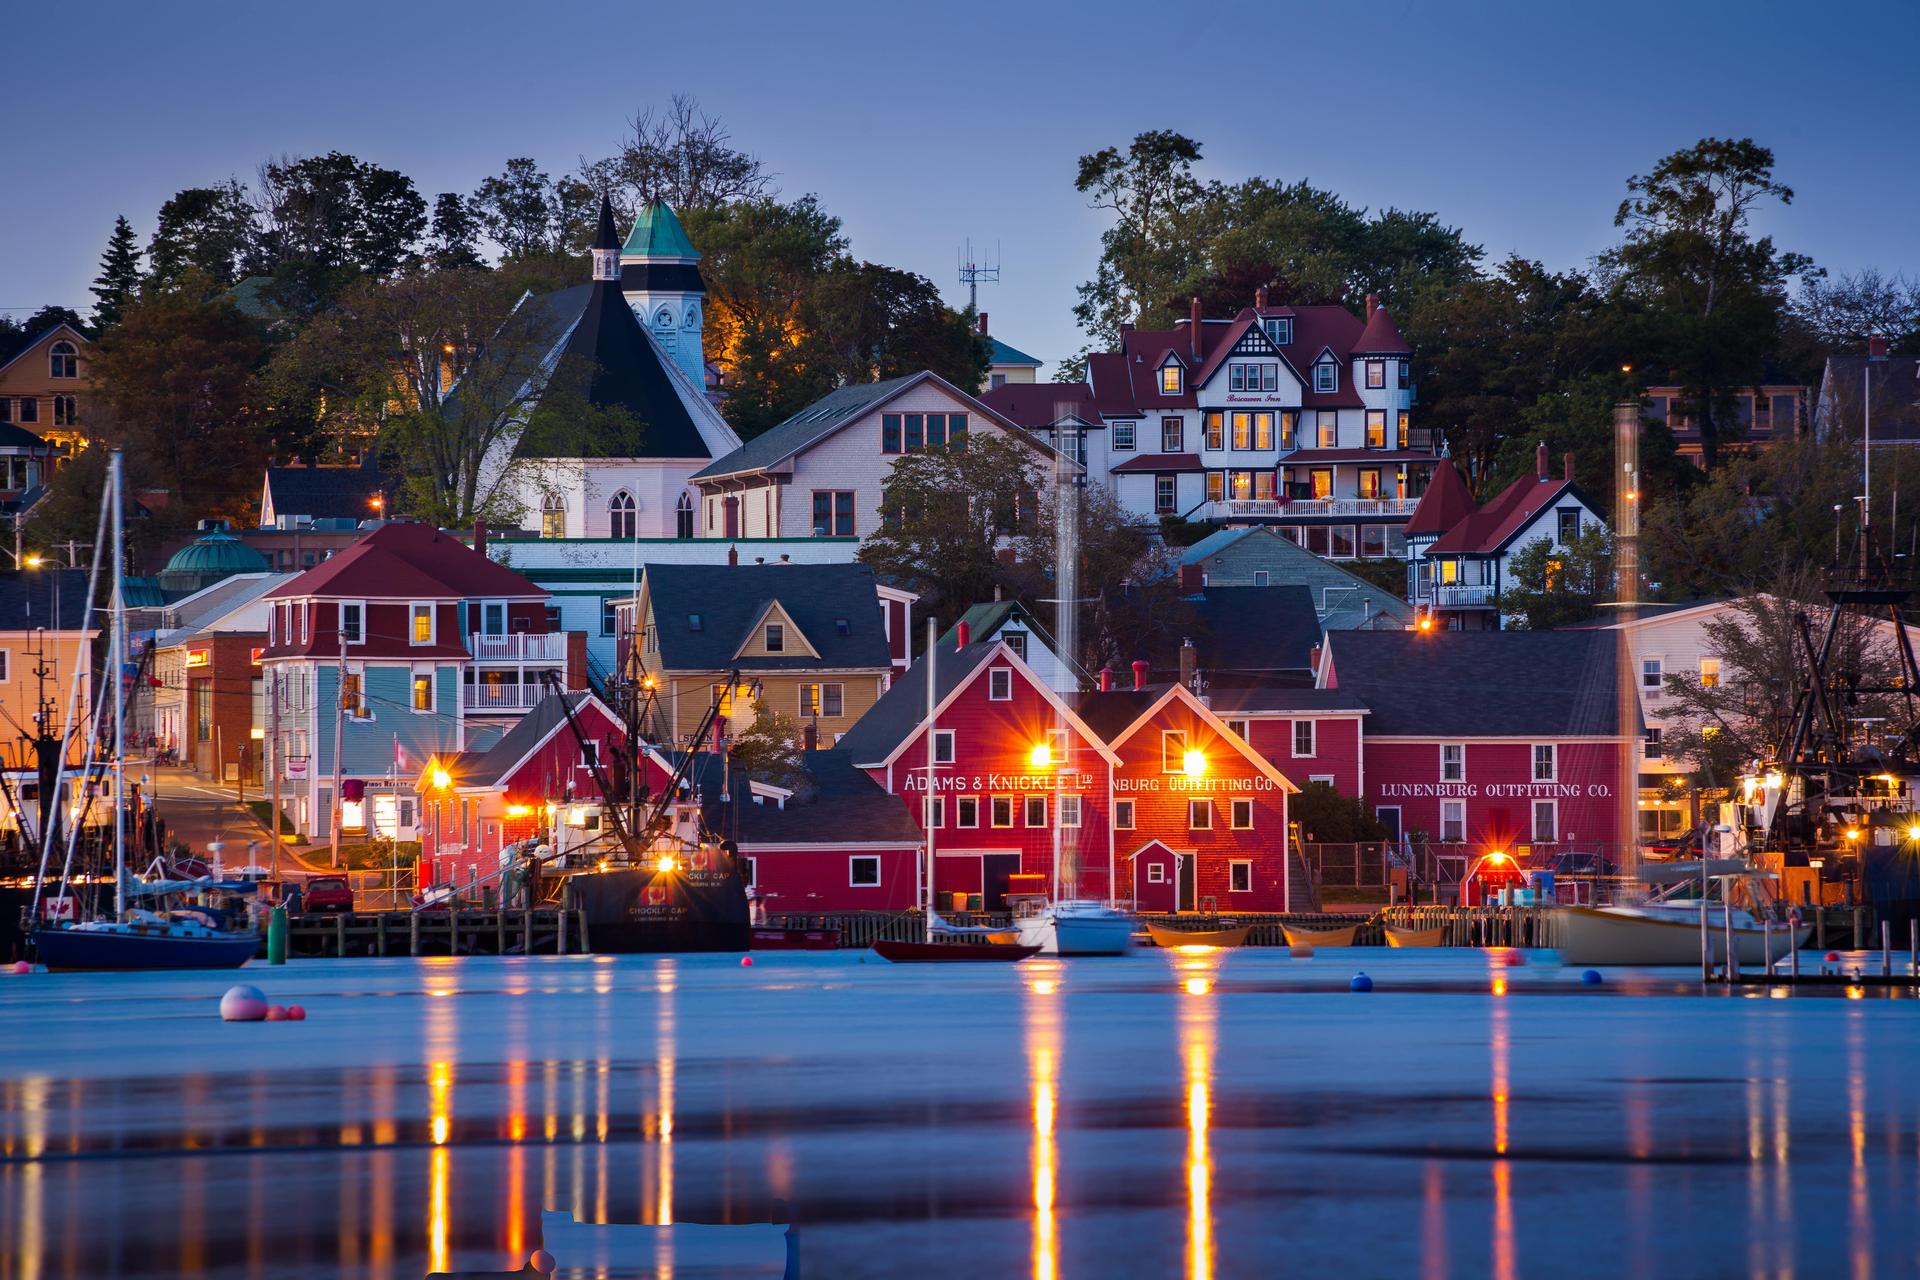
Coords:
pixel 542 931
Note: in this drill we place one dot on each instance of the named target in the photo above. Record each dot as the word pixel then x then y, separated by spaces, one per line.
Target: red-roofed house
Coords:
pixel 1459 558
pixel 1299 417
pixel 431 649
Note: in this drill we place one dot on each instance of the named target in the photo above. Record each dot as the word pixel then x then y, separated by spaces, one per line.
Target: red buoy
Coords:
pixel 296 1013
pixel 276 1013
pixel 746 962
pixel 1833 957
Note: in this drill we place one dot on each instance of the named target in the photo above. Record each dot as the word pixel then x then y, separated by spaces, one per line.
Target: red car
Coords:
pixel 326 893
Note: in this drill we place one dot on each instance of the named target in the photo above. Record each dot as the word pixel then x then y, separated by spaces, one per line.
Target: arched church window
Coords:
pixel 621 515
pixel 553 517
pixel 683 517
pixel 693 317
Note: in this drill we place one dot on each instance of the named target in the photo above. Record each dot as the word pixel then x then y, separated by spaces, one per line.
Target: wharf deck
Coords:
pixel 542 931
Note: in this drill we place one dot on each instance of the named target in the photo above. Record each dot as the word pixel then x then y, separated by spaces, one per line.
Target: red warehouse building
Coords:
pixel 1490 740
pixel 1019 786
pixel 1199 816
pixel 1311 735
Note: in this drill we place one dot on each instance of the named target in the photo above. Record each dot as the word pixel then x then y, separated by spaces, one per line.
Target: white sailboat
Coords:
pixel 1666 929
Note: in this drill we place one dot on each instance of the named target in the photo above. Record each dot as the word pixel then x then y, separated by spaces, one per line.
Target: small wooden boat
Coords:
pixel 1167 936
pixel 951 952
pixel 771 939
pixel 1317 938
pixel 1415 937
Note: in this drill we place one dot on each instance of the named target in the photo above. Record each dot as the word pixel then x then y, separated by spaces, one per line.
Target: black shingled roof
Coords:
pixel 1249 630
pixel 842 805
pixel 326 492
pixel 729 599
pixel 27 600
pixel 1480 683
pixel 898 713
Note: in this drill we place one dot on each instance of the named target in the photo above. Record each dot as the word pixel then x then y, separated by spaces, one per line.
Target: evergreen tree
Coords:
pixel 119 277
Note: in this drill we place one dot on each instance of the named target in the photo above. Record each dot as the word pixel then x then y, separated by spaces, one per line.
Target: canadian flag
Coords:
pixel 402 762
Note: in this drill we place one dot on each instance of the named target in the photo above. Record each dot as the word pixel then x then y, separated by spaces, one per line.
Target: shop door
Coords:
pixel 1186 872
pixel 996 872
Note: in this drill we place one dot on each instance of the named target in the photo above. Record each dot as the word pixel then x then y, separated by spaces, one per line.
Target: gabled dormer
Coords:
pixel 775 635
pixel 1170 379
pixel 1326 372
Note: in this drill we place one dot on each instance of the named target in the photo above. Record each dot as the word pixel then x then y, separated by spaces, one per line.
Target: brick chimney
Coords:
pixel 1373 304
pixel 1192 580
pixel 1126 327
pixel 1189 662
pixel 733 557
pixel 1106 679
pixel 1140 668
pixel 480 536
pixel 1260 298
pixel 1540 461
pixel 1566 460
pixel 1196 337
pixel 810 736
pixel 983 324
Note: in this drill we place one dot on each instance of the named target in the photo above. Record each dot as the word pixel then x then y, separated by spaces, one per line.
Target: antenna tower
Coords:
pixel 974 273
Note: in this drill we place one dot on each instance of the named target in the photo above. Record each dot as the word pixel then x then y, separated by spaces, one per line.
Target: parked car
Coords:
pixel 327 893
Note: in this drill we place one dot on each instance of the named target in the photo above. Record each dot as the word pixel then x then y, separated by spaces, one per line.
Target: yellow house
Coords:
pixel 45 387
pixel 808 640
pixel 46 647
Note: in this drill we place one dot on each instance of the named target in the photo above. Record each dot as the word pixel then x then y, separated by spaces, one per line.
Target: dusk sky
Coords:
pixel 923 125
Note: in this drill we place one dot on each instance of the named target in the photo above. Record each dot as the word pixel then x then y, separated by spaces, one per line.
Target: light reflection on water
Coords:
pixel 1188 1126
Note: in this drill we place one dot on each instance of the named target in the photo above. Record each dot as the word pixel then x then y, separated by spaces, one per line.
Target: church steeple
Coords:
pixel 606 245
pixel 660 275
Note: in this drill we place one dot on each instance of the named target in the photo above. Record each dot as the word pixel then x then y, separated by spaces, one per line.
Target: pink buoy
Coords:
pixel 22 967
pixel 276 1014
pixel 542 1262
pixel 296 1013
pixel 1301 951
pixel 1515 959
pixel 746 962
pixel 1833 957
pixel 243 1004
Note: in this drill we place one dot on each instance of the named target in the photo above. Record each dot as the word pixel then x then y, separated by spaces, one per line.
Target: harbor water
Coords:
pixel 1213 1114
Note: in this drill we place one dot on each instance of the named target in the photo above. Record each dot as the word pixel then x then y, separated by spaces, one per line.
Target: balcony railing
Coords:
pixel 519 647
pixel 501 697
pixel 1458 596
pixel 1307 508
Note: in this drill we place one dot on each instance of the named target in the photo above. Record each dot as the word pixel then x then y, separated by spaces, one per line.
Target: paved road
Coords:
pixel 198 813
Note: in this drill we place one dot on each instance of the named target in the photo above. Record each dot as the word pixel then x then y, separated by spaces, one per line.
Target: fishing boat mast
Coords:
pixel 926 799
pixel 116 660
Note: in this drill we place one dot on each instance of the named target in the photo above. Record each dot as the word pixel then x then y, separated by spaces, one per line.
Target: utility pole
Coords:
pixel 273 761
pixel 337 808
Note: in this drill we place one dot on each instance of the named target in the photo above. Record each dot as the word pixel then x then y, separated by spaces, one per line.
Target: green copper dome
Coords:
pixel 657 233
pixel 212 557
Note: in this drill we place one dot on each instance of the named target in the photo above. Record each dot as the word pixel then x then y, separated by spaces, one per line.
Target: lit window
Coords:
pixel 1376 428
pixel 423 691
pixel 1170 380
pixel 830 700
pixel 1709 673
pixel 1329 428
pixel 422 629
pixel 553 517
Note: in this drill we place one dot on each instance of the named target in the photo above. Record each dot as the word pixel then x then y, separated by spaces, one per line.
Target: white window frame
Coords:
pixel 1240 816
pixel 433 622
pixel 1026 811
pixel 487 606
pixel 1461 747
pixel 1313 740
pixel 6 665
pixel 1330 383
pixel 943 746
pixel 855 858
pixel 999 684
pixel 306 621
pixel 773 637
pixel 1180 757
pixel 1552 762
pixel 1655 667
pixel 933 813
pixel 1241 729
pixel 1533 827
pixel 1179 372
pixel 433 693
pixel 1196 808
pixel 1123 815
pixel 1156 873
pixel 960 811
pixel 359 608
pixel 993 812
pixel 1453 807
pixel 1240 869
pixel 1709 665
pixel 1125 437
pixel 1262 577
pixel 1067 812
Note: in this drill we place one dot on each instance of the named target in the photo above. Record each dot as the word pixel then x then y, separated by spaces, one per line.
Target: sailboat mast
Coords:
pixel 926 799
pixel 116 660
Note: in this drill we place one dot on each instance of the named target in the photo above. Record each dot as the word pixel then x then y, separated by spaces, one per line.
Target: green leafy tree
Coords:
pixel 119 278
pixel 527 213
pixel 770 749
pixel 210 230
pixel 337 213
pixel 947 514
pixel 1327 817
pixel 865 322
pixel 1559 586
pixel 1715 293
pixel 1145 188
pixel 454 242
pixel 178 380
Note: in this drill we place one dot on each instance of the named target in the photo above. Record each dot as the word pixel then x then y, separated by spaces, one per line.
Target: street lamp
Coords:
pixel 1195 763
pixel 1041 757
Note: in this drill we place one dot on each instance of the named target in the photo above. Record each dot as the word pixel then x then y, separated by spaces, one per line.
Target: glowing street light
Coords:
pixel 665 863
pixel 1041 757
pixel 440 778
pixel 1195 763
